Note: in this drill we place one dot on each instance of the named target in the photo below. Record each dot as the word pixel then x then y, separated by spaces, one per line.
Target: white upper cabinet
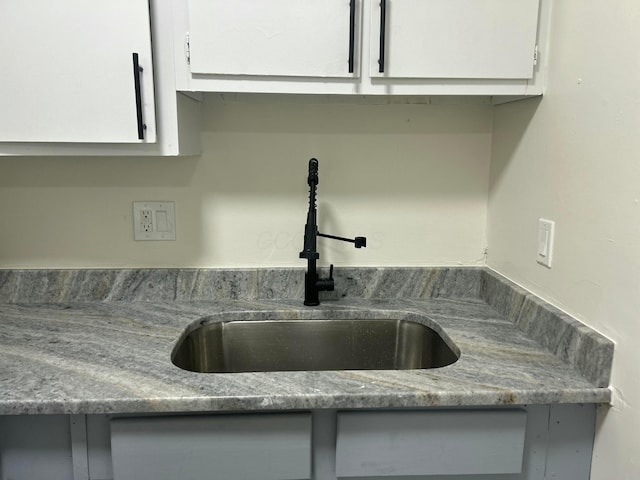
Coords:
pixel 426 47
pixel 68 71
pixel 69 85
pixel 312 38
pixel 471 39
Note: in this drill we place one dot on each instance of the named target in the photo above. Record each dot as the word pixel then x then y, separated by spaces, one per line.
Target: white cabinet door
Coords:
pixel 68 71
pixel 305 38
pixel 468 39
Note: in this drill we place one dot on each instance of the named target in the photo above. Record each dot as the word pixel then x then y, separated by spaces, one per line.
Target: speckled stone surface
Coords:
pixel 100 341
pixel 46 286
pixel 587 351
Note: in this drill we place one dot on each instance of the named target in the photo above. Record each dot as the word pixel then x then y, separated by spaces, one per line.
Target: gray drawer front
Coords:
pixel 430 443
pixel 260 447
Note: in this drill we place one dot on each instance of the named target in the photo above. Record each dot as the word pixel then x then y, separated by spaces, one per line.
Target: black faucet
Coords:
pixel 312 283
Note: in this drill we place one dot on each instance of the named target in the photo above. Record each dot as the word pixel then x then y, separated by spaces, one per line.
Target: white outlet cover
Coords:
pixel 163 221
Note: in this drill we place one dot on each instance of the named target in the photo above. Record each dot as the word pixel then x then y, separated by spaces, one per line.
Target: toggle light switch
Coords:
pixel 545 241
pixel 162 221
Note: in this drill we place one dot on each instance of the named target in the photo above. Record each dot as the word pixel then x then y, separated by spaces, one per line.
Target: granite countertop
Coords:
pixel 104 353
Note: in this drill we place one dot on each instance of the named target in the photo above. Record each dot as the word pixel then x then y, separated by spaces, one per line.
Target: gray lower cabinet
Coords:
pixel 529 442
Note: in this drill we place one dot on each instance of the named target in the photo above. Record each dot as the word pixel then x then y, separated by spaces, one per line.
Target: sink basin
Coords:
pixel 301 345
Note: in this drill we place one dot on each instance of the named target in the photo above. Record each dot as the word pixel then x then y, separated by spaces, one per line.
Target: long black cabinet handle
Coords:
pixel 352 33
pixel 137 70
pixel 383 34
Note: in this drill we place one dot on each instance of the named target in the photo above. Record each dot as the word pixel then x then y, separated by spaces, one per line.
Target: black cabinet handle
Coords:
pixel 137 70
pixel 352 33
pixel 383 34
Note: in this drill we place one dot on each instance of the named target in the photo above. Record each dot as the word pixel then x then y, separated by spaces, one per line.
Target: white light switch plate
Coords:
pixel 154 221
pixel 545 241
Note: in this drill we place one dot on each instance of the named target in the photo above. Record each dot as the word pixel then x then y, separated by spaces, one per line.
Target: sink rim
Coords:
pixel 327 316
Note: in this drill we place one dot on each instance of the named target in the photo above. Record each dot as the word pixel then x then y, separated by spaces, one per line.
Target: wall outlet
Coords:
pixel 154 221
pixel 146 220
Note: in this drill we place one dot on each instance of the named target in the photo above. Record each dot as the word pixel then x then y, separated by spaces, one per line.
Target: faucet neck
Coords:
pixel 312 283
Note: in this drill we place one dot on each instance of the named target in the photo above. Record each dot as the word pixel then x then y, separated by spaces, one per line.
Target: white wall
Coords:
pixel 412 178
pixel 574 157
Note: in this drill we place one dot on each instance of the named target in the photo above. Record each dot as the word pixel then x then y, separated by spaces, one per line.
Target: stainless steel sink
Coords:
pixel 294 345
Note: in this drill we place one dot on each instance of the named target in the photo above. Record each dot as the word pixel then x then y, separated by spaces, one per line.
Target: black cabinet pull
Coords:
pixel 352 33
pixel 137 70
pixel 383 34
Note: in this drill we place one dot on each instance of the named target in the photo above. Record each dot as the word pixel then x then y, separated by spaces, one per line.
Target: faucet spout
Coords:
pixel 313 284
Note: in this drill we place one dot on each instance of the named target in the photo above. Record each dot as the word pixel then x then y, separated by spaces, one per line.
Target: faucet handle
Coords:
pixel 326 284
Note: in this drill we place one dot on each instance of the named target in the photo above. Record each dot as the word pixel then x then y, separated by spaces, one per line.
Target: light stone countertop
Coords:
pixel 114 356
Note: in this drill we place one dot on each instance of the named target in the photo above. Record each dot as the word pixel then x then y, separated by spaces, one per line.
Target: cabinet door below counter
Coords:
pixel 436 442
pixel 247 447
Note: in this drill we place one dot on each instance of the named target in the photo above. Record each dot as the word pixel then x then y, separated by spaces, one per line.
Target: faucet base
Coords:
pixel 311 298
